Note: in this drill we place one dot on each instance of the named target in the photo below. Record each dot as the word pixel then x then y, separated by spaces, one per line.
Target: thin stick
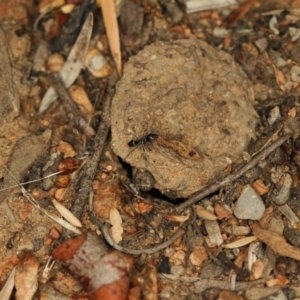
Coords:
pixel 216 186
pixel 31 181
pixel 69 105
pixel 90 168
pixel 159 247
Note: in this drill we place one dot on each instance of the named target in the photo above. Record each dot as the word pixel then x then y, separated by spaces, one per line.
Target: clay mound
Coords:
pixel 180 98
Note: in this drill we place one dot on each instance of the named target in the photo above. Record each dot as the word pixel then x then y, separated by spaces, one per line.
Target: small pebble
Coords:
pixel 261 44
pixel 211 270
pixel 238 230
pixel 177 270
pixel 220 32
pixel 285 191
pixel 249 205
pixel 295 73
pixel 213 231
pixel 274 115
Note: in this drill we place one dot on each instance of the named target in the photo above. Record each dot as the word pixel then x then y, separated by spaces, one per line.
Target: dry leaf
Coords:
pixel 288 213
pixel 112 31
pixel 106 275
pixel 26 277
pixel 116 222
pixel 180 148
pixel 74 63
pixel 257 269
pixel 221 211
pixel 277 243
pixel 46 5
pixel 259 187
pixel 66 214
pixel 279 280
pixel 229 295
pixel 241 242
pixel 180 219
pixel 6 290
pixel 205 214
pixel 240 12
pixel 280 78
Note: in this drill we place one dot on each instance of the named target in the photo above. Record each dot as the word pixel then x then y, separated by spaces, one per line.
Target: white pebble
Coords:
pixel 274 115
pixel 249 205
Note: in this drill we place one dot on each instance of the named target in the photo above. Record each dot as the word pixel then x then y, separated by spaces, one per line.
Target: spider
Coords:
pixel 143 142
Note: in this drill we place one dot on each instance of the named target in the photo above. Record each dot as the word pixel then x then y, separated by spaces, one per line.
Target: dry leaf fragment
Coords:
pixel 222 211
pixel 259 187
pixel 280 78
pixel 112 31
pixel 241 242
pixel 288 213
pixel 257 269
pixel 106 275
pixel 66 214
pixel 5 293
pixel 180 219
pixel 46 5
pixel 181 149
pixel 277 243
pixel 279 280
pixel 116 222
pixel 229 295
pixel 67 9
pixel 205 214
pixel 74 63
pixel 26 277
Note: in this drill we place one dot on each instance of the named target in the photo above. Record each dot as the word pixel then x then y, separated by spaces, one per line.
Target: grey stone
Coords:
pixel 211 271
pixel 249 205
pixel 285 191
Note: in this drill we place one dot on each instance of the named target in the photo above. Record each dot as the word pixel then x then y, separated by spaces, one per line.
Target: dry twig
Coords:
pixel 90 168
pixel 104 229
pixel 216 186
pixel 112 31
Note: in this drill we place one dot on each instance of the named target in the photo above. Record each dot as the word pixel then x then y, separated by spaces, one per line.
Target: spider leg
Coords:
pixel 130 152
